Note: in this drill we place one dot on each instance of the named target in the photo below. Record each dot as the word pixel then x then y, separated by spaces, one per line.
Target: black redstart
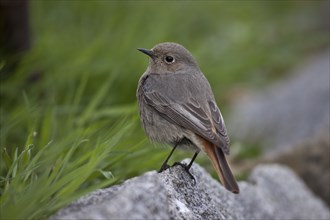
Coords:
pixel 177 107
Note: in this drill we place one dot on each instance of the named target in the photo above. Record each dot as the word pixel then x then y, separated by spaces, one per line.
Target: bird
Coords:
pixel 177 107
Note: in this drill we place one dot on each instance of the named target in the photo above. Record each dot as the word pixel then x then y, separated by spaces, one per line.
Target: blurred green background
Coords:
pixel 69 119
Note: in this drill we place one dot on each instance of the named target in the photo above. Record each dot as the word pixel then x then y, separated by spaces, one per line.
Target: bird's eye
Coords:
pixel 169 59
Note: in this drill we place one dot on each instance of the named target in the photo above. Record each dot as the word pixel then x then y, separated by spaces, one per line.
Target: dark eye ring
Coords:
pixel 169 59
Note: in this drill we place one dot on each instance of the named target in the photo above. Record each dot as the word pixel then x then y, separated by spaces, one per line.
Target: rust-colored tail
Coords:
pixel 221 166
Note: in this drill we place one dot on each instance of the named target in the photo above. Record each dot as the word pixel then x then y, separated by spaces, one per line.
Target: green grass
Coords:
pixel 69 120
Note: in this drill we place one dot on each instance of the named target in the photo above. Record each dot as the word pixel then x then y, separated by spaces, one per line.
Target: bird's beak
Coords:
pixel 150 53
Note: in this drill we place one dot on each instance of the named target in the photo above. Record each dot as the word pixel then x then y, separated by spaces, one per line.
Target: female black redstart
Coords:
pixel 177 107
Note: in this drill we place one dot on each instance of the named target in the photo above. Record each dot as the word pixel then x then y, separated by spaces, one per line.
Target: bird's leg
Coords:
pixel 187 167
pixel 165 165
pixel 192 160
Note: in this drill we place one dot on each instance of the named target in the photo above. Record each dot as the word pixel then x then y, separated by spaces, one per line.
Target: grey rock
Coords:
pixel 272 192
pixel 135 199
pixel 291 118
pixel 288 112
pixel 310 160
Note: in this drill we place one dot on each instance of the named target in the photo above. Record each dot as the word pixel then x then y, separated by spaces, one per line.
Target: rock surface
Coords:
pixel 272 192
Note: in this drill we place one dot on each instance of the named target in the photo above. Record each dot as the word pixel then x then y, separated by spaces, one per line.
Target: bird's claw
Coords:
pixel 165 166
pixel 186 168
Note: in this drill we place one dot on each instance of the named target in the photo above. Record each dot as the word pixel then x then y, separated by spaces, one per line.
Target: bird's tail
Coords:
pixel 222 168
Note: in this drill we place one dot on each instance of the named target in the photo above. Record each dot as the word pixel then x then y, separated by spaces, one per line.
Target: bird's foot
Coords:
pixel 165 166
pixel 186 168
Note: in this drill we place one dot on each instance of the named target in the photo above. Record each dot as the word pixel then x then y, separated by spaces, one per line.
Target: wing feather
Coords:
pixel 202 117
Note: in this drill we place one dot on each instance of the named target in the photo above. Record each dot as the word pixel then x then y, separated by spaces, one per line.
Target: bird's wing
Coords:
pixel 219 123
pixel 203 120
